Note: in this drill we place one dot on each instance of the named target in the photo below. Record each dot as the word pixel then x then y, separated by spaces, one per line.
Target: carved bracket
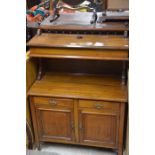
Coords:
pixel 124 73
pixel 40 69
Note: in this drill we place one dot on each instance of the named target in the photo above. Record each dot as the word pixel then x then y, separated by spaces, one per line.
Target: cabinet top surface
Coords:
pixel 79 41
pixel 107 88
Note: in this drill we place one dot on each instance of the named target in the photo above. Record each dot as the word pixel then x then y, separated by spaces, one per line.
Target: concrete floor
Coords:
pixel 60 149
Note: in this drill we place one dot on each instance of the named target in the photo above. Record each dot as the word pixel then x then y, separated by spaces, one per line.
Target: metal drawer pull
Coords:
pixel 98 106
pixel 53 102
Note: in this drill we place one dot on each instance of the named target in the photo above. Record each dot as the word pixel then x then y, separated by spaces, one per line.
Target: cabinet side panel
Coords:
pixel 121 129
pixel 34 121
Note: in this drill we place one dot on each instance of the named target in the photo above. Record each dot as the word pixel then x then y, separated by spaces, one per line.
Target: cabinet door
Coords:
pixel 54 119
pixel 98 125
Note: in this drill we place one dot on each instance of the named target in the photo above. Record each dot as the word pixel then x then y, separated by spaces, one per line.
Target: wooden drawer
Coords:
pixel 52 102
pixel 99 105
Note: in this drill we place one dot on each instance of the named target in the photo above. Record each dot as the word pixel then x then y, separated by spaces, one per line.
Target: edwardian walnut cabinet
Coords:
pixel 80 93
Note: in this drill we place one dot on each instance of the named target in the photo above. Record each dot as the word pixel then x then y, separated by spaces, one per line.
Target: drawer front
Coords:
pixel 99 105
pixel 52 102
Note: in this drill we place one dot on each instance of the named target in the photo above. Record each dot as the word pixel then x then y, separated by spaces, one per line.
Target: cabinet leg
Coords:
pixel 115 151
pixel 39 146
pixel 120 151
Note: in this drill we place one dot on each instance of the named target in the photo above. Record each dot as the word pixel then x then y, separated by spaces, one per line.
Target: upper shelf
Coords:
pixel 107 47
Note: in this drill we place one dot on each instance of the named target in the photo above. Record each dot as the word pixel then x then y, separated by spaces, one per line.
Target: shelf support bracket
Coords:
pixel 124 73
pixel 40 69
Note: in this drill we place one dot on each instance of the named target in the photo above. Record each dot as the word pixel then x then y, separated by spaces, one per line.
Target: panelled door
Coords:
pixel 54 119
pixel 98 123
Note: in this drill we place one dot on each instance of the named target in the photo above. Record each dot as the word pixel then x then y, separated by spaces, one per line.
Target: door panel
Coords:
pixel 98 128
pixel 55 124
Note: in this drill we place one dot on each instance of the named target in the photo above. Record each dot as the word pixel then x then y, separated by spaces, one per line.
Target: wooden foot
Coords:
pixel 120 151
pixel 39 146
pixel 115 151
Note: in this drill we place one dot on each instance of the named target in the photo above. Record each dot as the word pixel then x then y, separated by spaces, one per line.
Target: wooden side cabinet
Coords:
pixel 81 101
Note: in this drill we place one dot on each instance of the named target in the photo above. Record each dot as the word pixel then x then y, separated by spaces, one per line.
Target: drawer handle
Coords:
pixel 98 106
pixel 53 102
